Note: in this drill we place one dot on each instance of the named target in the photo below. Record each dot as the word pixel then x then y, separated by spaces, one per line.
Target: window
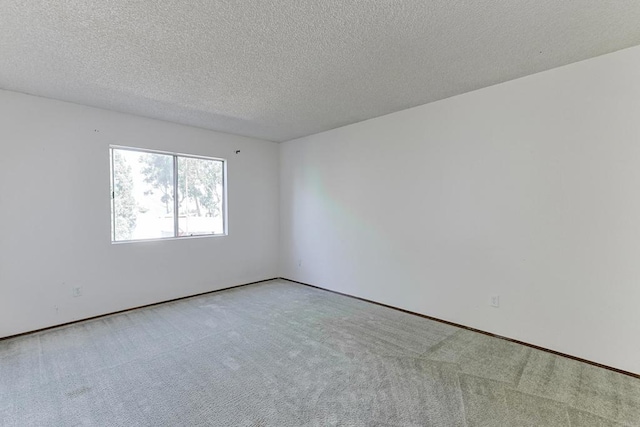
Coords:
pixel 157 195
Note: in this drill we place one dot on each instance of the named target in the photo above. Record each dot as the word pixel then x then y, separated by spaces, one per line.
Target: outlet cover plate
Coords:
pixel 495 301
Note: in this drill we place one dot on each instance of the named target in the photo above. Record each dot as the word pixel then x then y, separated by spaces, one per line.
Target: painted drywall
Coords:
pixel 529 190
pixel 55 215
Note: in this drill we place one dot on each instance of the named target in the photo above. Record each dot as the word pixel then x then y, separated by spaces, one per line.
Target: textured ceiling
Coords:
pixel 280 69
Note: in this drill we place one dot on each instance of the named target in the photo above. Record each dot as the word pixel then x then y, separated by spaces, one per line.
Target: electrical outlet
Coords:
pixel 495 301
pixel 76 291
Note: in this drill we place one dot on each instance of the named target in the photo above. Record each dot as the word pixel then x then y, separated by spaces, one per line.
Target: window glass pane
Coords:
pixel 200 197
pixel 142 195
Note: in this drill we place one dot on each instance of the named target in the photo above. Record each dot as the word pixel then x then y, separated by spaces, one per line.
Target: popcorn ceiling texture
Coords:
pixel 279 69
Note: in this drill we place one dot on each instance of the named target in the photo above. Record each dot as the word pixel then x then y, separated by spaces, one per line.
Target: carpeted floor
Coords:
pixel 283 354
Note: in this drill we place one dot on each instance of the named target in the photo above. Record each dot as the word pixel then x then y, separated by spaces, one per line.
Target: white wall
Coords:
pixel 529 189
pixel 55 215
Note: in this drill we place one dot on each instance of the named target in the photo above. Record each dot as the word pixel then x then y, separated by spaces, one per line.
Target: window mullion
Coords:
pixel 176 218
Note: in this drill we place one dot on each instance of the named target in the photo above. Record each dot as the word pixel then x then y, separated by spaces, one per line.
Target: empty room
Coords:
pixel 319 213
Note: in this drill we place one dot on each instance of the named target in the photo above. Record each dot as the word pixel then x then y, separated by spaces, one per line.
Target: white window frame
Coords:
pixel 176 216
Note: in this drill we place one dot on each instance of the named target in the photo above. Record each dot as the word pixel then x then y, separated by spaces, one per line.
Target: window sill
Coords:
pixel 161 239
